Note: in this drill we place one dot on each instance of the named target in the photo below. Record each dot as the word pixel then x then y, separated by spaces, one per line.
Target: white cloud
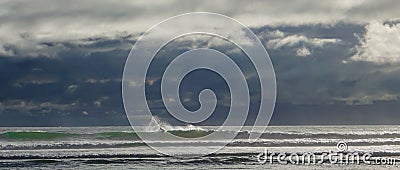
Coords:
pixel 380 44
pixel 6 52
pixel 303 52
pixel 293 40
pixel 72 88
pixel 26 23
pixel 28 105
pixel 363 99
pixel 151 81
pixel 92 81
pixel 133 84
pixel 99 101
pixel 276 34
pixel 34 81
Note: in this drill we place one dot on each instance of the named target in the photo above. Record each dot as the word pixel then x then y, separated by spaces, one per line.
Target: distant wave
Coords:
pixel 39 135
pixel 70 146
pixel 218 158
pixel 287 135
pixel 59 135
pixel 137 143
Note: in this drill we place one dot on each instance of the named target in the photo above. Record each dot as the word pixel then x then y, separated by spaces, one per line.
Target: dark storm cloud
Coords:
pixel 81 84
pixel 80 81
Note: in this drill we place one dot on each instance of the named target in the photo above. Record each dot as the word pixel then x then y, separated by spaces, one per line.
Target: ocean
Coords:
pixel 117 147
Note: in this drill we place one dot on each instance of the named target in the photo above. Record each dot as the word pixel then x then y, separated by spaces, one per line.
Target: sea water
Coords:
pixel 117 147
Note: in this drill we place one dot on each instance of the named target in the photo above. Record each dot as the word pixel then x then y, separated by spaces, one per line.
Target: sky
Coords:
pixel 336 62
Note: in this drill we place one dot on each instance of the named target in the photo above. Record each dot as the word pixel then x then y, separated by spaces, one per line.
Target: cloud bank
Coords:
pixel 61 62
